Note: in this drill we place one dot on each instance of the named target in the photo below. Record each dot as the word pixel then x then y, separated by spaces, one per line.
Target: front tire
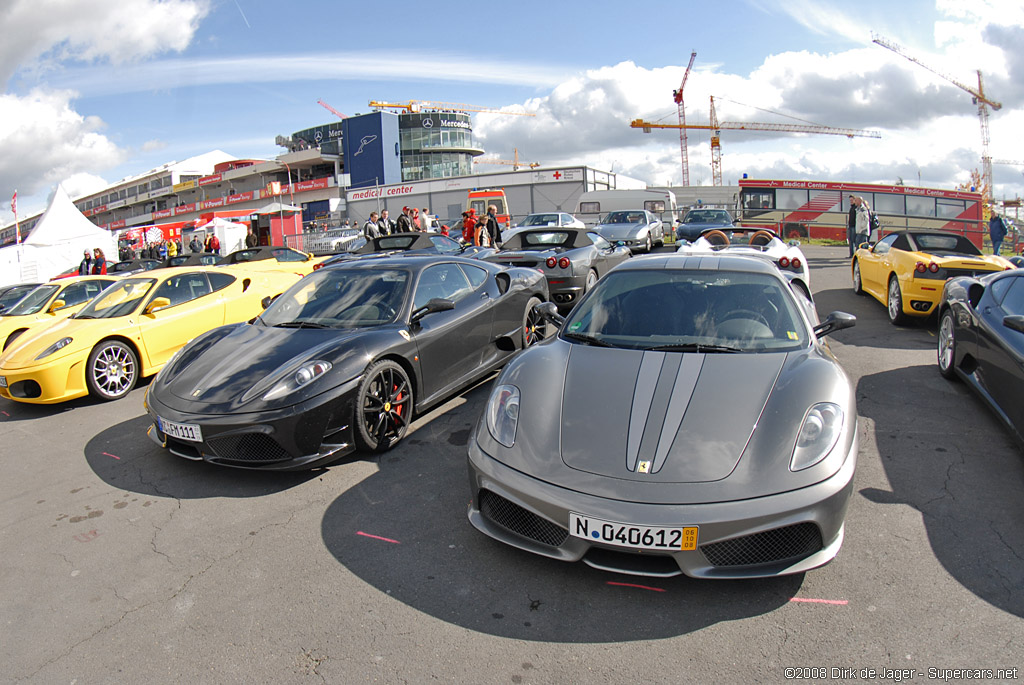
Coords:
pixel 384 407
pixel 895 300
pixel 947 345
pixel 112 370
pixel 858 284
pixel 591 281
pixel 534 325
pixel 649 245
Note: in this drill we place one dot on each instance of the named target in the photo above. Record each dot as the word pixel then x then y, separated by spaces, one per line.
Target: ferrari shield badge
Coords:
pixel 644 467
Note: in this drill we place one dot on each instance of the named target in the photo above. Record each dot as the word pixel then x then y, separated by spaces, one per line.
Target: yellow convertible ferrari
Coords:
pixel 906 270
pixel 48 304
pixel 272 258
pixel 130 331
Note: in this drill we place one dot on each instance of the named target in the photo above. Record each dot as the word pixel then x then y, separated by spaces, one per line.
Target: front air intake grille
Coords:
pixel 515 519
pixel 771 546
pixel 248 447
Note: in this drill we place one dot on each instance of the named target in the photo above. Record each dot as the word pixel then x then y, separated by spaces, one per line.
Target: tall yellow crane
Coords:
pixel 978 97
pixel 515 163
pixel 420 105
pixel 717 127
pixel 677 95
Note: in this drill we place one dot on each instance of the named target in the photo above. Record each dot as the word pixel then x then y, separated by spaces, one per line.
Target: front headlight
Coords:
pixel 59 345
pixel 818 435
pixel 305 375
pixel 503 414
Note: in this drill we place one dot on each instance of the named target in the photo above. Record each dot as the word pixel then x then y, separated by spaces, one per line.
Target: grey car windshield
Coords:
pixel 625 218
pixel 708 216
pixel 699 311
pixel 540 220
pixel 340 298
pixel 544 238
pixel 34 302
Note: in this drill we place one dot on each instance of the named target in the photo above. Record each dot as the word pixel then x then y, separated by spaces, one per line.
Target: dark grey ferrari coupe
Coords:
pixel 688 418
pixel 344 359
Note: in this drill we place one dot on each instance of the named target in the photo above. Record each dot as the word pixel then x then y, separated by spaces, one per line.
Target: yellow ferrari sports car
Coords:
pixel 906 270
pixel 272 258
pixel 129 331
pixel 49 303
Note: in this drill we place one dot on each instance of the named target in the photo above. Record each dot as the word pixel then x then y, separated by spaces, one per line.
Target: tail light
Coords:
pixel 316 266
pixel 563 263
pixel 551 262
pixel 795 263
pixel 784 262
pixel 920 267
pixel 933 267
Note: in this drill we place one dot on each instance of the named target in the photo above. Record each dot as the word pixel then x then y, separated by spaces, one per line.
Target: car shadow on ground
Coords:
pixel 123 456
pixel 963 473
pixel 404 531
pixel 873 328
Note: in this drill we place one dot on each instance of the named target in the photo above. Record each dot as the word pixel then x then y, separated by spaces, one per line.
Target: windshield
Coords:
pixel 34 302
pixel 937 243
pixel 625 218
pixel 698 311
pixel 707 216
pixel 540 220
pixel 120 299
pixel 544 238
pixel 340 298
pixel 15 294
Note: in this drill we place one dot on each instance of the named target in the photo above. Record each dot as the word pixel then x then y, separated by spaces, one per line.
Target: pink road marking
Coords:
pixel 819 601
pixel 5 413
pixel 642 587
pixel 377 537
pixel 112 455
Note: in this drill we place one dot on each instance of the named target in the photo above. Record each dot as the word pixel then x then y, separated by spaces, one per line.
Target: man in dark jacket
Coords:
pixel 492 226
pixel 85 268
pixel 404 222
pixel 851 226
pixel 386 224
pixel 371 229
pixel 996 231
pixel 251 240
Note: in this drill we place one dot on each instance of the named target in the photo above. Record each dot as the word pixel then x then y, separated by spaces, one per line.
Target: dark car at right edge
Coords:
pixel 981 341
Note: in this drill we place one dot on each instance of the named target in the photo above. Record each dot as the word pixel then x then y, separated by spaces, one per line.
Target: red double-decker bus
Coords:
pixel 819 209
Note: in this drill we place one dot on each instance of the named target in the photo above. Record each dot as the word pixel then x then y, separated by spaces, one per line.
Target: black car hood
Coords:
pixel 236 371
pixel 665 417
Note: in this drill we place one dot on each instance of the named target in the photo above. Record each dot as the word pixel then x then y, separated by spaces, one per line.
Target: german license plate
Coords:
pixel 674 539
pixel 3 381
pixel 181 431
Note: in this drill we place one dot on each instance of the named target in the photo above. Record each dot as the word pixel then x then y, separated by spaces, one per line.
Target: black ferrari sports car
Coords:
pixel 343 359
pixel 406 243
pixel 981 340
pixel 572 259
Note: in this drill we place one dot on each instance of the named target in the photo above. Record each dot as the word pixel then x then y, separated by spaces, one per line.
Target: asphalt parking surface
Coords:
pixel 123 563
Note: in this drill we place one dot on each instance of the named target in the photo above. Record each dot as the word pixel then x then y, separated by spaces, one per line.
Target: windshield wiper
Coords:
pixel 693 347
pixel 588 339
pixel 300 324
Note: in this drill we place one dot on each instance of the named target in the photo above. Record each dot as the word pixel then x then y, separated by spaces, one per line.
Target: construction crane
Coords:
pixel 677 95
pixel 514 162
pixel 331 109
pixel 978 98
pixel 414 106
pixel 717 127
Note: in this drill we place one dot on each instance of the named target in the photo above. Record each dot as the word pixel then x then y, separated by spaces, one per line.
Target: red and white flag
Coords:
pixel 14 210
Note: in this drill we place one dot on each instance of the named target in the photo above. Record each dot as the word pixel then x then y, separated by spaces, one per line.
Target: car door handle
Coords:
pixel 485 296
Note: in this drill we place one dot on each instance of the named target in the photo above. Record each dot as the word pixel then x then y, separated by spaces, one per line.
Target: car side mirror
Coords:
pixel 549 312
pixel 1014 322
pixel 57 304
pixel 157 304
pixel 268 300
pixel 435 305
pixel 836 321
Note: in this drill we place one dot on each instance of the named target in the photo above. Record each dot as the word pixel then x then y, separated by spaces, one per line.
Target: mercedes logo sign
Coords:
pixel 428 123
pixel 319 136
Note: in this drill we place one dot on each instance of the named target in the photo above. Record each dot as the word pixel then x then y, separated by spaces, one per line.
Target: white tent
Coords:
pixel 55 245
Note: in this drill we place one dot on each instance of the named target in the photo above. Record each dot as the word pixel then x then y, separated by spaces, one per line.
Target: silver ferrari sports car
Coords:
pixel 687 418
pixel 638 229
pixel 760 242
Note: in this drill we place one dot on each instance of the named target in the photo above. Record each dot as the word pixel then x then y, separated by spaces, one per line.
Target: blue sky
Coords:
pixel 97 91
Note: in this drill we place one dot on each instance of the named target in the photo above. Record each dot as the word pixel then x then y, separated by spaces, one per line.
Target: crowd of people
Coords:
pixel 484 231
pixel 94 262
pixel 165 249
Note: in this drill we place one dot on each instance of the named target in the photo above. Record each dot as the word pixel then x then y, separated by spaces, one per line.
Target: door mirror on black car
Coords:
pixel 549 312
pixel 836 321
pixel 435 305
pixel 1014 322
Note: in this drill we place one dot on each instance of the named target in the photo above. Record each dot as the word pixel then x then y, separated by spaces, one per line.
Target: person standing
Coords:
pixel 996 231
pixel 414 216
pixel 493 228
pixel 387 226
pixel 250 239
pixel 371 229
pixel 195 245
pixel 85 268
pixel 99 262
pixel 425 220
pixel 172 248
pixel 404 222
pixel 214 244
pixel 851 225
pixel 863 223
pixel 468 228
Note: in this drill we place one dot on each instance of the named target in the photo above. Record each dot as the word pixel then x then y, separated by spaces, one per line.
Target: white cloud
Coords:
pixel 117 31
pixel 81 184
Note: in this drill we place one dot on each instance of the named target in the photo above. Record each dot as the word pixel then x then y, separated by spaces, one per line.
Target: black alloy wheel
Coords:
pixel 384 409
pixel 534 326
